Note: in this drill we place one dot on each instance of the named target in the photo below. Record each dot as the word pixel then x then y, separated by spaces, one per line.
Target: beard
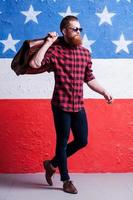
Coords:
pixel 75 40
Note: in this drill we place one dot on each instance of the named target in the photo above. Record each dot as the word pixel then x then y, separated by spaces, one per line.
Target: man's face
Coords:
pixel 72 33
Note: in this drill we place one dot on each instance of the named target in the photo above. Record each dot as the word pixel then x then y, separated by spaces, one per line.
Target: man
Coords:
pixel 71 64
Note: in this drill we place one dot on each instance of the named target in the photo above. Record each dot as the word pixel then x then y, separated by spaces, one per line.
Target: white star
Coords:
pixel 31 14
pixel 68 12
pixel 122 44
pixel 105 16
pixel 87 43
pixel 127 0
pixel 9 43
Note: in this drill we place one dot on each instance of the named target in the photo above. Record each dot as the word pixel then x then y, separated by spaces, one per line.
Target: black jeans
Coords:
pixel 64 121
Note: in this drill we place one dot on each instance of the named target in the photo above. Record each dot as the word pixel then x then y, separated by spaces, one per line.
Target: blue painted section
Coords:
pixel 12 21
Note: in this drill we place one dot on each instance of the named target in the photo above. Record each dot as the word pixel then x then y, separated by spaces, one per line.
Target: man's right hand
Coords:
pixel 51 38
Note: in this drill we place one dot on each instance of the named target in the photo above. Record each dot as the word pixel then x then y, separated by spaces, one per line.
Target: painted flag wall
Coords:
pixel 27 134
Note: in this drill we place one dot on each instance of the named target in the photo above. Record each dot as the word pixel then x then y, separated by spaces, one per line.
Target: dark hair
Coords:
pixel 65 21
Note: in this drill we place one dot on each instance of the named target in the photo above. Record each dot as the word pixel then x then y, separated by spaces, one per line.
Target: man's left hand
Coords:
pixel 108 97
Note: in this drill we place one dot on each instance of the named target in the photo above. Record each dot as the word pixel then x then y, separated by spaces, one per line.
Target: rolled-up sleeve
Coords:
pixel 49 60
pixel 88 70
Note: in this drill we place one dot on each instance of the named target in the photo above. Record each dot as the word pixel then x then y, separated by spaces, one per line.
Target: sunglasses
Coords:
pixel 76 29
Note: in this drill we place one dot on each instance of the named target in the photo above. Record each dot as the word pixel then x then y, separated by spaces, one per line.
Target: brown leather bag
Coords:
pixel 20 62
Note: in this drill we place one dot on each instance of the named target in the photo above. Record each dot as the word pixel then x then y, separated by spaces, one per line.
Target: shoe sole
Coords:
pixel 70 192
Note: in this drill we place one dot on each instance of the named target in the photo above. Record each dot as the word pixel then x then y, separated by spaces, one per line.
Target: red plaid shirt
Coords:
pixel 71 67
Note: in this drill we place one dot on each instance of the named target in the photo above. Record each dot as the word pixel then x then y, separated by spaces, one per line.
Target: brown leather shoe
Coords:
pixel 69 187
pixel 49 171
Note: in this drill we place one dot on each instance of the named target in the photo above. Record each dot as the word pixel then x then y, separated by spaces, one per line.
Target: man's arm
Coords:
pixel 38 57
pixel 95 86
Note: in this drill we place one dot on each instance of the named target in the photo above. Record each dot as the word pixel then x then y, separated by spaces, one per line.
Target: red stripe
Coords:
pixel 27 136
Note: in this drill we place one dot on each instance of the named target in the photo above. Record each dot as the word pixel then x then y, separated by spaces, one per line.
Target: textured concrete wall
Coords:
pixel 27 134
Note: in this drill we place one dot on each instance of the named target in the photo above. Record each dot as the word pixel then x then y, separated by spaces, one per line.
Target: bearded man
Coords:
pixel 72 66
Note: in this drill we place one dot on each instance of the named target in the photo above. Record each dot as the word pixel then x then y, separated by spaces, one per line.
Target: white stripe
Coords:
pixel 115 75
